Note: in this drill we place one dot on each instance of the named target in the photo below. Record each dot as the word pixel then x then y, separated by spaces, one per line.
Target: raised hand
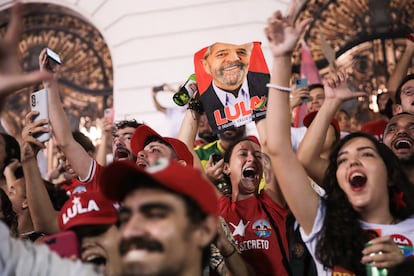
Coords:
pixel 336 87
pixel 298 96
pixel 46 66
pixel 30 145
pixel 11 79
pixel 281 32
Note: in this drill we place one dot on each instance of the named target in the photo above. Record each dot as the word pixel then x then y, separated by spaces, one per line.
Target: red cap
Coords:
pixel 311 115
pixel 120 177
pixel 254 139
pixel 143 132
pixel 87 208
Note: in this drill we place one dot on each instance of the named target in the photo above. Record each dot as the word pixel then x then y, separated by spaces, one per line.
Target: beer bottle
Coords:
pixel 373 270
pixel 182 96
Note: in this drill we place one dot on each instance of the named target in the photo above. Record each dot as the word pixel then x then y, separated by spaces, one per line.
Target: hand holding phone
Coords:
pixel 53 60
pixel 302 83
pixel 39 103
pixel 109 114
pixel 216 158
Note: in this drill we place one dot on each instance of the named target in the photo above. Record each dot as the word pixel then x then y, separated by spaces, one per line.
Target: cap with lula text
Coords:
pixel 121 177
pixel 87 208
pixel 144 132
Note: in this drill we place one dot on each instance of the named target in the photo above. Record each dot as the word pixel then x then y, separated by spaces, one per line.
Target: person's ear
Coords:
pixel 206 231
pixel 397 109
pixel 182 162
pixel 25 205
pixel 226 168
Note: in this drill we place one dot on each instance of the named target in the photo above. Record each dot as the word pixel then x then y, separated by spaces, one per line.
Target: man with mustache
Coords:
pixel 168 217
pixel 399 137
pixel 232 83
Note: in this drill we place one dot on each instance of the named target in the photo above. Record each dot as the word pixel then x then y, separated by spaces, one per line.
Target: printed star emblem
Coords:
pixel 239 229
pixel 76 200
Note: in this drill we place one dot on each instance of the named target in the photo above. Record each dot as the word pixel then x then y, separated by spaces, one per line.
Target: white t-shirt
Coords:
pixel 402 233
pixel 296 136
pixel 175 116
pixel 21 258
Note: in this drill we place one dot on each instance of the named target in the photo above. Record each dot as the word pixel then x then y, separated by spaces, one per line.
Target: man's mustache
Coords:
pixel 129 244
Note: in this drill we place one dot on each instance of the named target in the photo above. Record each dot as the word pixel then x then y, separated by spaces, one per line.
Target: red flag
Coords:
pixel 308 70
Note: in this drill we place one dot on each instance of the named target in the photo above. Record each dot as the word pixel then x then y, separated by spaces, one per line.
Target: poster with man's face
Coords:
pixel 232 82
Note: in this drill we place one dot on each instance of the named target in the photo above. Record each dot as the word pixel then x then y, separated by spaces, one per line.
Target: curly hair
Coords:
pixel 342 238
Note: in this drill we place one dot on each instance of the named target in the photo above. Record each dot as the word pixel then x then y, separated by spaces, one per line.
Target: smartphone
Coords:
pixel 109 114
pixel 65 244
pixel 300 83
pixel 216 158
pixel 39 103
pixel 53 56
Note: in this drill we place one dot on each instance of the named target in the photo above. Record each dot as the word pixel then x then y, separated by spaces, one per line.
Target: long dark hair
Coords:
pixel 342 238
pixel 12 149
pixel 10 217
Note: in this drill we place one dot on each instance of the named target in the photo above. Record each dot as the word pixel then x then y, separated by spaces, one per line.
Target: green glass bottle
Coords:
pixel 182 96
pixel 373 270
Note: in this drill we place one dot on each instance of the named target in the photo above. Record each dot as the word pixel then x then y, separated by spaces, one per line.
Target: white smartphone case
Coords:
pixel 39 103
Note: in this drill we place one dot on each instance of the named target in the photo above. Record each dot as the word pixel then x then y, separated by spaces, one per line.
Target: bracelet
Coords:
pixel 278 87
pixel 231 254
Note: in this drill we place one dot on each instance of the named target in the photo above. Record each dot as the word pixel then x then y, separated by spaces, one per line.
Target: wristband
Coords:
pixel 278 87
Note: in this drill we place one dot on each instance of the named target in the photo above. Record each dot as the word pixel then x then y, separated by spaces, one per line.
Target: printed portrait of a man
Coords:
pixel 232 83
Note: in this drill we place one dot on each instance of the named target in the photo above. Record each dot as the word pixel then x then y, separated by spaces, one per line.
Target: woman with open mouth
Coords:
pixel 366 218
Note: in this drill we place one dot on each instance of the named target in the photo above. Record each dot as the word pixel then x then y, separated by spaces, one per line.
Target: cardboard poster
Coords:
pixel 232 80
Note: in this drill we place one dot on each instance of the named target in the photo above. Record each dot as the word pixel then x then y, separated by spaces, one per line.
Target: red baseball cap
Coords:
pixel 120 177
pixel 143 132
pixel 311 116
pixel 87 208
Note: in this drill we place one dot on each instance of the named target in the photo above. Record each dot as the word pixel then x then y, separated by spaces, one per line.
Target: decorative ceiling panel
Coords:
pixel 86 77
pixel 368 37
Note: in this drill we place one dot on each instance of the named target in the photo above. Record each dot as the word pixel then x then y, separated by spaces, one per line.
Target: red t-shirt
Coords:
pixel 90 183
pixel 254 233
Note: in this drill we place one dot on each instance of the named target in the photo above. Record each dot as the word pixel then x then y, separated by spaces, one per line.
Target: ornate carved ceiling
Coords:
pixel 368 37
pixel 86 71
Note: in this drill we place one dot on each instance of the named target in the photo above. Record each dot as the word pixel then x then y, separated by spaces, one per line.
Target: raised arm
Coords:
pixel 78 158
pixel 11 79
pixel 271 187
pixel 291 175
pixel 311 147
pixel 401 69
pixel 107 130
pixel 157 104
pixel 43 214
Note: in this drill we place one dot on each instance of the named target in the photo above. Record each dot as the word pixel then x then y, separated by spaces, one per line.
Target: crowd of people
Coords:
pixel 324 199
